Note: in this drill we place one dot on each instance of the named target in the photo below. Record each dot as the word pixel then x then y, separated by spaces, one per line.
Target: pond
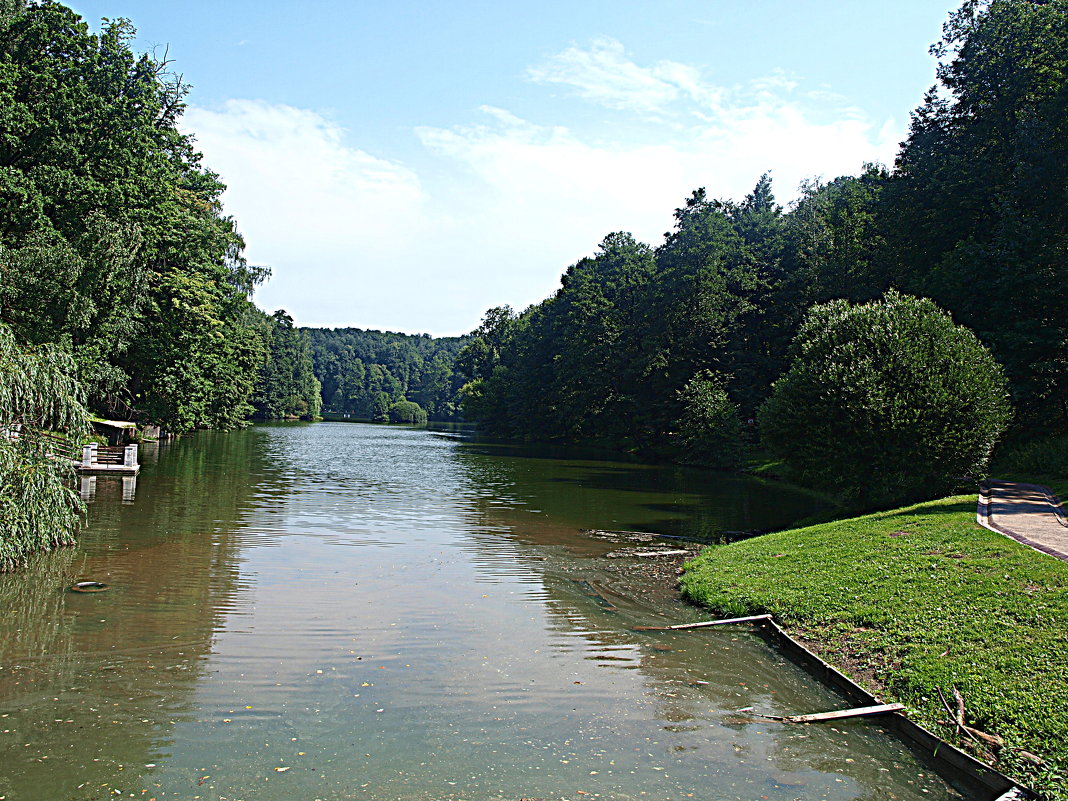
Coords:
pixel 345 611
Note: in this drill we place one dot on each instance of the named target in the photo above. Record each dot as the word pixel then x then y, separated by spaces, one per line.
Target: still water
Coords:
pixel 344 611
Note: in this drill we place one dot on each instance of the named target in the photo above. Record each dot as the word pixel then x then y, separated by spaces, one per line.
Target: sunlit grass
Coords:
pixel 915 600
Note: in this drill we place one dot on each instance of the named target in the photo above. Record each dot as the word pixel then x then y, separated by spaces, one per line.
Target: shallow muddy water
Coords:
pixel 343 611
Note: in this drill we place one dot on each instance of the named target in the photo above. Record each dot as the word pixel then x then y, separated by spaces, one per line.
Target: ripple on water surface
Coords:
pixel 471 647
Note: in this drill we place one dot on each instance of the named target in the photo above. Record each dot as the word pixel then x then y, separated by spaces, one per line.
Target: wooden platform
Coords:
pixel 100 459
pixel 109 469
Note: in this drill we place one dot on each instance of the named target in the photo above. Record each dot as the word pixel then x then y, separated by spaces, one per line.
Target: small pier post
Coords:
pixel 119 460
pixel 88 488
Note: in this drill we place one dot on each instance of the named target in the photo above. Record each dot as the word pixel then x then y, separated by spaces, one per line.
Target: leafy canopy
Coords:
pixel 37 394
pixel 886 401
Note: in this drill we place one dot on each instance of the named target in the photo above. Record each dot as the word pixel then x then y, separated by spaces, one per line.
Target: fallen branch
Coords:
pixel 838 714
pixel 989 739
pixel 962 727
pixel 704 624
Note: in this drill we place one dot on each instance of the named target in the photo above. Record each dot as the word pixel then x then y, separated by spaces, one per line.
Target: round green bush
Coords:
pixel 406 411
pixel 886 402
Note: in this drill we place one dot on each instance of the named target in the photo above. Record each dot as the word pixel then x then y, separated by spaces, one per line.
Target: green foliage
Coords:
pixel 703 300
pixel 287 386
pixel 37 394
pixel 1044 457
pixel 606 358
pixel 835 247
pixel 568 368
pixel 977 217
pixel 363 373
pixel 113 240
pixel 407 412
pixel 917 599
pixel 482 353
pixel 973 215
pixel 710 430
pixel 886 401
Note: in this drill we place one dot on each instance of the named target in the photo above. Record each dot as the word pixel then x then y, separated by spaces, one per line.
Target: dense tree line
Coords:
pixel 123 289
pixel 976 216
pixel 669 349
pixel 611 354
pixel 287 387
pixel 113 242
pixel 376 375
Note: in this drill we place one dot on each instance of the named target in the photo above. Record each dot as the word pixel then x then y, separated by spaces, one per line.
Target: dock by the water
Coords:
pixel 118 460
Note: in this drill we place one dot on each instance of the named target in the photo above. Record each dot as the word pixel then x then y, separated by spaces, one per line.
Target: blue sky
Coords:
pixel 405 166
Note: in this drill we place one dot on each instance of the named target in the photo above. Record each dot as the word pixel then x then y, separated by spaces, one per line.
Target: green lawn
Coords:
pixel 915 599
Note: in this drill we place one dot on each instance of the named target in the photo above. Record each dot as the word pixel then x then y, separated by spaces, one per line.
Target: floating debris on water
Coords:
pixel 88 586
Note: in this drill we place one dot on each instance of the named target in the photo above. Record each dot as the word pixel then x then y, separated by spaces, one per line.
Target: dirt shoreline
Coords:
pixel 652 580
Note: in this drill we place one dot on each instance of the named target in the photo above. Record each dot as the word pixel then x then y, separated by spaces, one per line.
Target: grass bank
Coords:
pixel 914 600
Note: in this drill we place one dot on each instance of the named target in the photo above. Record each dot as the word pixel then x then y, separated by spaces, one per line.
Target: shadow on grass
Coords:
pixel 940 509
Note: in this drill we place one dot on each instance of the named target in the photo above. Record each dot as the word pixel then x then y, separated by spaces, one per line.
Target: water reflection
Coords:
pixel 342 611
pixel 697 504
pixel 87 487
pixel 92 685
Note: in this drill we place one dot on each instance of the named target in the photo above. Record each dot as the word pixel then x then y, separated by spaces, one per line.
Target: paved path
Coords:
pixel 1028 513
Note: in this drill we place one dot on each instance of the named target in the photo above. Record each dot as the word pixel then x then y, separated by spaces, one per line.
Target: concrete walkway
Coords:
pixel 1028 513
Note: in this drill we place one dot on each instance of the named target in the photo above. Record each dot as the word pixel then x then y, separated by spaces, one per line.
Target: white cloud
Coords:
pixel 603 74
pixel 731 135
pixel 323 214
pixel 504 204
pixel 290 168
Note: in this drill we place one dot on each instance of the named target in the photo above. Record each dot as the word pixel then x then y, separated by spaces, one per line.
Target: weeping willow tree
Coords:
pixel 39 397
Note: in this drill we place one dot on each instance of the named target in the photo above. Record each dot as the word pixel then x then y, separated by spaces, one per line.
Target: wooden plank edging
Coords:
pixel 706 623
pixel 929 745
pixel 842 714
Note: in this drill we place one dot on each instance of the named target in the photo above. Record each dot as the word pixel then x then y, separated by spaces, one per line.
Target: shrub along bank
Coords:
pixel 886 402
pixel 913 601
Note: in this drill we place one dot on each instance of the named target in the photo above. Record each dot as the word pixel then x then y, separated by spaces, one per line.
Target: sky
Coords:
pixel 406 166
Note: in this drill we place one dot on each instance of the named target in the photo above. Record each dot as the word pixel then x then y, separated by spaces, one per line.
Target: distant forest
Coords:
pixel 366 374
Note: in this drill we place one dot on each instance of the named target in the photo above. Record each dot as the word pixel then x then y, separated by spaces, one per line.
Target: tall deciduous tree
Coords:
pixel 286 386
pixel 835 248
pixel 978 216
pixel 114 241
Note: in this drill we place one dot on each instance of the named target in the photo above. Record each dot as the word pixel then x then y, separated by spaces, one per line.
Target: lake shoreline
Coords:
pixel 657 582
pixel 914 601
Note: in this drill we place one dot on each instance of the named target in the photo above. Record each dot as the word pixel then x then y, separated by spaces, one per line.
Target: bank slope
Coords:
pixel 916 599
